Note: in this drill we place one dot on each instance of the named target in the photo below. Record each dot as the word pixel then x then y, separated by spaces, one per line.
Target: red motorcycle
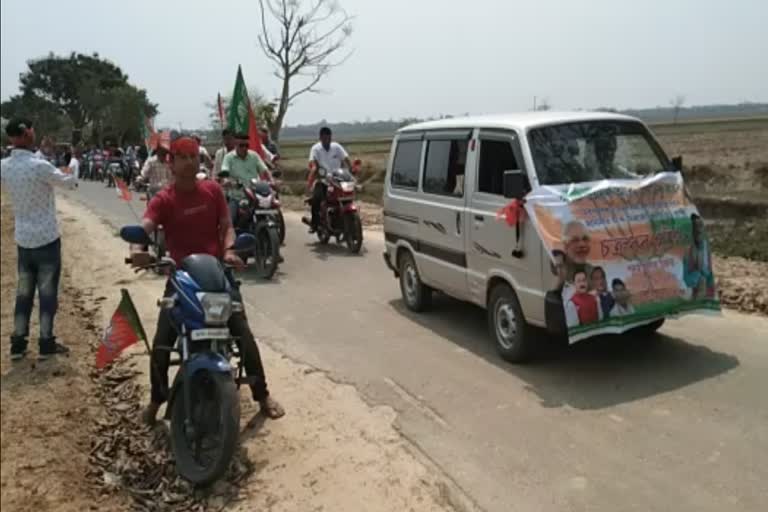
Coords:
pixel 339 215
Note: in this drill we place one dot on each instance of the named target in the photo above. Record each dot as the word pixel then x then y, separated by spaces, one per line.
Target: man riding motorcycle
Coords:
pixel 242 165
pixel 195 218
pixel 156 172
pixel 330 156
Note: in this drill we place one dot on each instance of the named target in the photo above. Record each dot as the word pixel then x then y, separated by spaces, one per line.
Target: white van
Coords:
pixel 446 182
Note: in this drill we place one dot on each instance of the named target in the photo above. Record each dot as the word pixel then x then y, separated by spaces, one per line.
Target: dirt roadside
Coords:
pixel 48 408
pixel 332 452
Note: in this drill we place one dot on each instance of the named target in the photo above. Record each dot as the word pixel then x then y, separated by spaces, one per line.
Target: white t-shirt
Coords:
pixel 74 167
pixel 331 159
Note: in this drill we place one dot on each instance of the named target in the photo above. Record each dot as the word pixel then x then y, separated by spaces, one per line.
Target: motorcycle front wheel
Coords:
pixel 267 251
pixel 204 446
pixel 353 232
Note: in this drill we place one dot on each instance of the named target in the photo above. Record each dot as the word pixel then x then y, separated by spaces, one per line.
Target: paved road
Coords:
pixel 679 423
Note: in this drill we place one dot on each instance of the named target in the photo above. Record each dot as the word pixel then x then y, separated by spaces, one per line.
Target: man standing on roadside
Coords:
pixel 29 181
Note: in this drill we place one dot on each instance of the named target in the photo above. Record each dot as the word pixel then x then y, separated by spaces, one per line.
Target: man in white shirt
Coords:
pixel 228 138
pixel 330 156
pixel 622 307
pixel 73 164
pixel 156 171
pixel 30 181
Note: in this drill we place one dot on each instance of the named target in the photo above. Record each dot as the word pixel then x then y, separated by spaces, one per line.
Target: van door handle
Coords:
pixel 480 218
pixel 458 223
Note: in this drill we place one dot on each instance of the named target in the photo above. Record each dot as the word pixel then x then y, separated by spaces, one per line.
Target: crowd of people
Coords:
pixel 194 212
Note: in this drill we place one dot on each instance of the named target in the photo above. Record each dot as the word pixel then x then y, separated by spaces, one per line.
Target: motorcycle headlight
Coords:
pixel 243 203
pixel 347 186
pixel 322 172
pixel 217 307
pixel 265 201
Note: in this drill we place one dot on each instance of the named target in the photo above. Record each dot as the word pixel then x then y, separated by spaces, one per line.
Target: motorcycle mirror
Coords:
pixel 135 235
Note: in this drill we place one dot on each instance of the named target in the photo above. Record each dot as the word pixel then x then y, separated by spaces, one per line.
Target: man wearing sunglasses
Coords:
pixel 241 165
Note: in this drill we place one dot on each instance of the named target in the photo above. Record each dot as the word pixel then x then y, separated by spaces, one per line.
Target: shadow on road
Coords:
pixel 333 250
pixel 592 374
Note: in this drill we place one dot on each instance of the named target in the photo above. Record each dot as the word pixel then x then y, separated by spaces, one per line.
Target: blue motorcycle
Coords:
pixel 203 405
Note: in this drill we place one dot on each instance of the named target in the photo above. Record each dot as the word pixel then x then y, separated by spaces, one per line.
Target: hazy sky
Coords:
pixel 417 57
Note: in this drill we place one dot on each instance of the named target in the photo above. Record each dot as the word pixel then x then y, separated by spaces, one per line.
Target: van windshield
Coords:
pixel 594 150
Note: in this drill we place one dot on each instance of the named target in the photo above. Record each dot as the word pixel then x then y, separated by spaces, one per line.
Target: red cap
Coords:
pixel 185 146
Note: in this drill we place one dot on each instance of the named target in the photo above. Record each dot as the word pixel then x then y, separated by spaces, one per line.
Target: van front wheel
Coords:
pixel 507 324
pixel 416 295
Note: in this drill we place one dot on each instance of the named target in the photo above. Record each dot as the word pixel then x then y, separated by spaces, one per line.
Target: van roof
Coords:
pixel 519 121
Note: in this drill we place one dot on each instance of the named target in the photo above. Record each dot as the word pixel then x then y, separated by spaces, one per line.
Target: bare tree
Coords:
pixel 305 40
pixel 677 103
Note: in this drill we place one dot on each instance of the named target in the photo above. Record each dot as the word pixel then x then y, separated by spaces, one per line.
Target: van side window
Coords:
pixel 444 168
pixel 495 157
pixel 405 169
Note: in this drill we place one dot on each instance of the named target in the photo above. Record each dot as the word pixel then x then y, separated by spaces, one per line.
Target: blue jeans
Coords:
pixel 39 269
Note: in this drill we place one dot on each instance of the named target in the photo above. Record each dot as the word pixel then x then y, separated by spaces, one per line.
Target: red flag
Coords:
pixel 254 139
pixel 124 330
pixel 122 190
pixel 513 213
pixel 221 110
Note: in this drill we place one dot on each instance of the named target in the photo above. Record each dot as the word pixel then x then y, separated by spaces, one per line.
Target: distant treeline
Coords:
pixel 372 129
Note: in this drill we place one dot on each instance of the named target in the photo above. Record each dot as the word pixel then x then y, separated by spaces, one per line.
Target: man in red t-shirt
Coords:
pixel 195 220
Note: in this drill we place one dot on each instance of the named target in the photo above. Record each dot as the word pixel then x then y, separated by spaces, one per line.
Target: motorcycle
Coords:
pixel 339 215
pixel 274 182
pixel 203 405
pixel 114 170
pixel 139 184
pixel 259 213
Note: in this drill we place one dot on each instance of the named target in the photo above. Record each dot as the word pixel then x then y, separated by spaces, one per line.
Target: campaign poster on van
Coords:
pixel 624 252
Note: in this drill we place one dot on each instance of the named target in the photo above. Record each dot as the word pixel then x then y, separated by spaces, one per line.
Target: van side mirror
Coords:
pixel 677 163
pixel 514 184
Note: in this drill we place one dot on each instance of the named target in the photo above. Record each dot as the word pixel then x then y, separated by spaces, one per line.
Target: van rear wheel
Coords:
pixel 416 295
pixel 510 331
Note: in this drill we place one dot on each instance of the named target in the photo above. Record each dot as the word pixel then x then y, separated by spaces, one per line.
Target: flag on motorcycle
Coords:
pixel 242 118
pixel 124 330
pixel 122 190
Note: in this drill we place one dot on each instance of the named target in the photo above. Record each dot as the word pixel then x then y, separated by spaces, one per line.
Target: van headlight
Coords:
pixel 217 307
